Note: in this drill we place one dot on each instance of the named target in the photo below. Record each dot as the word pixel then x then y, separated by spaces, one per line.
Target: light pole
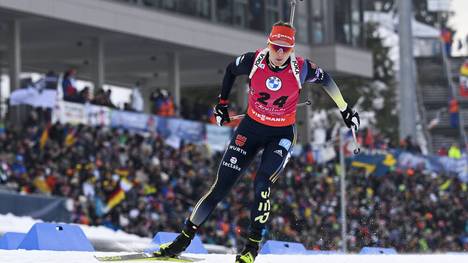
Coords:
pixel 407 92
pixel 342 134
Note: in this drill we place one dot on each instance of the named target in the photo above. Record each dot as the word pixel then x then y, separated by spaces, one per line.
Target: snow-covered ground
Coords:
pixel 22 224
pixel 11 223
pixel 80 257
pixel 101 236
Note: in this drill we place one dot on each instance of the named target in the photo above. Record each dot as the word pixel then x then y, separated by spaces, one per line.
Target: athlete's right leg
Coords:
pixel 274 158
pixel 237 157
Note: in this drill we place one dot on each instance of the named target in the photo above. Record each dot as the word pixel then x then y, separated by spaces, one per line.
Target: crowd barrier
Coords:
pixel 11 240
pixel 48 236
pixel 173 130
pixel 70 237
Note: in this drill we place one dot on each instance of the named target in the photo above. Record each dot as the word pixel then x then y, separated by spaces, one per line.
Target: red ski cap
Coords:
pixel 282 33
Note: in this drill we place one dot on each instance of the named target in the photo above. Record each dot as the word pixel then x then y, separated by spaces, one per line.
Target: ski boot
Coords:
pixel 182 241
pixel 249 253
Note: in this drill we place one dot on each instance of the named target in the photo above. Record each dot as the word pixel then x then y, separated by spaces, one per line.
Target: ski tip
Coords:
pixel 146 257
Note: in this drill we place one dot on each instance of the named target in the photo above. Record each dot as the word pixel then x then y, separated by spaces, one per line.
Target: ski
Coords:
pixel 145 256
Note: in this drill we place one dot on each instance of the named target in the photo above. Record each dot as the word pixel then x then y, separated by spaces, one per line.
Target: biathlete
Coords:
pixel 276 77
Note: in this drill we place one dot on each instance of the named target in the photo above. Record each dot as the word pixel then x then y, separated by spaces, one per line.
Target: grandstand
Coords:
pixel 119 43
pixel 413 210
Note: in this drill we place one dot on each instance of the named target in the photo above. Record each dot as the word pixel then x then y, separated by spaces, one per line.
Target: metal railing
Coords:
pixel 421 117
pixel 448 74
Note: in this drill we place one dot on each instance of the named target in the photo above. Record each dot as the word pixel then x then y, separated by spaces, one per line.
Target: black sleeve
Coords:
pixel 241 66
pixel 314 73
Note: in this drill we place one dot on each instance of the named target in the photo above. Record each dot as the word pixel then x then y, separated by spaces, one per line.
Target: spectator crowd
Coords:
pixel 411 210
pixel 160 101
pixel 71 93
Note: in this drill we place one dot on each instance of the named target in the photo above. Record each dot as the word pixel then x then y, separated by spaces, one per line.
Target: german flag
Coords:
pixel 116 198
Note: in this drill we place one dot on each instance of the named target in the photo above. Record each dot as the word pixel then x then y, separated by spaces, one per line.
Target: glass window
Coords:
pixel 342 21
pixel 317 8
pixel 318 33
pixel 240 12
pixel 285 10
pixel 301 23
pixel 196 8
pixel 204 8
pixel 317 20
pixel 155 3
pixel 272 12
pixel 224 9
pixel 187 7
pixel 257 15
pixel 349 22
pixel 357 20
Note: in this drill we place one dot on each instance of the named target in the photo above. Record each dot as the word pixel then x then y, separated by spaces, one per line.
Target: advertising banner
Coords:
pixel 68 112
pixel 176 130
pixel 217 137
pixel 133 120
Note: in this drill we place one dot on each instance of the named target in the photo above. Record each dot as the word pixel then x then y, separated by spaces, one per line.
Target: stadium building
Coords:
pixel 182 46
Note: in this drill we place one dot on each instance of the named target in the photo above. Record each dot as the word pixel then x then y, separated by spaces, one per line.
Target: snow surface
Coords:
pixel 96 234
pixel 11 223
pixel 22 224
pixel 24 256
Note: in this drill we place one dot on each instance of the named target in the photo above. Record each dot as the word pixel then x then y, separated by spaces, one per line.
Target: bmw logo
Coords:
pixel 273 83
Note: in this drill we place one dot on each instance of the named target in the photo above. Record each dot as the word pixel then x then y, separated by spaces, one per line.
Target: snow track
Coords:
pixel 23 256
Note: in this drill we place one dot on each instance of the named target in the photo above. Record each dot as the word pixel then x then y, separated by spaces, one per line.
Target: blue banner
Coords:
pixel 217 137
pixel 134 121
pixel 97 115
pixel 176 130
pixel 436 164
pixel 457 166
pixel 378 164
pixel 409 160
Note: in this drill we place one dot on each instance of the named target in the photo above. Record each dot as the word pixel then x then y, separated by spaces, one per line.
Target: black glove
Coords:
pixel 221 112
pixel 351 118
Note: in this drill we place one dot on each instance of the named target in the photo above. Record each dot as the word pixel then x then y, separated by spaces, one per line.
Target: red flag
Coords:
pixel 369 141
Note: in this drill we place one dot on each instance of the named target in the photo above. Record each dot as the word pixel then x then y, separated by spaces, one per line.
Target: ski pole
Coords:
pixel 240 116
pixel 293 8
pixel 356 145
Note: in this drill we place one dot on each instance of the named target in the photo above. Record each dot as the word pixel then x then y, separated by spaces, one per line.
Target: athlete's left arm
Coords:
pixel 311 73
